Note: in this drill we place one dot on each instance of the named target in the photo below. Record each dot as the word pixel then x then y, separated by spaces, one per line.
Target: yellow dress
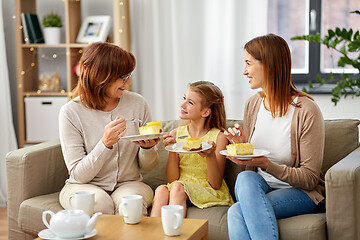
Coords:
pixel 193 175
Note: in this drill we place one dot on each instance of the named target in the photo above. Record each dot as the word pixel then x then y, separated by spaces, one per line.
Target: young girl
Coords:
pixel 197 177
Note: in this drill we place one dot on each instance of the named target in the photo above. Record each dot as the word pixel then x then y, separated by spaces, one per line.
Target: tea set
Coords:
pixel 69 224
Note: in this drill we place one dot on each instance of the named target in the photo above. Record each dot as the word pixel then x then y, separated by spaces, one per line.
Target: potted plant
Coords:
pixel 343 41
pixel 52 28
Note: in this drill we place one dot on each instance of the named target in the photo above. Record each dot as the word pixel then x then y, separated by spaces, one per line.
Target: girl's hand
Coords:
pixel 169 139
pixel 147 143
pixel 209 152
pixel 261 162
pixel 235 134
pixel 113 132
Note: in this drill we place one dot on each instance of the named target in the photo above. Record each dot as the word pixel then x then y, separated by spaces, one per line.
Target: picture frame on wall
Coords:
pixel 94 29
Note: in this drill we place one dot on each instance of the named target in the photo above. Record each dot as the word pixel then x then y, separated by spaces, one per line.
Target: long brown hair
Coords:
pixel 100 65
pixel 213 98
pixel 274 54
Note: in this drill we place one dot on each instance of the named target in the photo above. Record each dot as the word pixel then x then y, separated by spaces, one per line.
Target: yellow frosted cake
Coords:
pixel 150 128
pixel 192 144
pixel 240 149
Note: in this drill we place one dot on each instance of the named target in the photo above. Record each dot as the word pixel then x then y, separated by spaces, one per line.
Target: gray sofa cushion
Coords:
pixel 308 226
pixel 32 208
pixel 339 140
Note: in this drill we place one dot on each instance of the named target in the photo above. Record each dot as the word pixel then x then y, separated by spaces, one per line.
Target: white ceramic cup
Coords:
pixel 172 217
pixel 131 208
pixel 84 200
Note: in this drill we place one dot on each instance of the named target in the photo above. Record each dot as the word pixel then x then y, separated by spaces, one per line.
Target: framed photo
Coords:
pixel 94 29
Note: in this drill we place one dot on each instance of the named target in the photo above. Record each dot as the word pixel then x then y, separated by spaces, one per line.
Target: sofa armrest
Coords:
pixel 342 184
pixel 33 171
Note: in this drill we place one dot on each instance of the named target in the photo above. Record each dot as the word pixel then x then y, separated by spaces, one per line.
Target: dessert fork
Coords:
pixel 135 120
pixel 182 137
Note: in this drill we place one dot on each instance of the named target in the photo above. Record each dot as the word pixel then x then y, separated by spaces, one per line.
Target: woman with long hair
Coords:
pixel 289 125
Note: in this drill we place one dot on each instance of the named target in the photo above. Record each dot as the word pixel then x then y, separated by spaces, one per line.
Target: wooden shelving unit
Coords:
pixel 27 54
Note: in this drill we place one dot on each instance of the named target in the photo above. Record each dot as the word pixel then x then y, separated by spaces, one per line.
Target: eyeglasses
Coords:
pixel 126 77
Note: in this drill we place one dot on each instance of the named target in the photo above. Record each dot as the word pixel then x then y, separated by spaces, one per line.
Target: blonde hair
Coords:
pixel 213 98
pixel 274 54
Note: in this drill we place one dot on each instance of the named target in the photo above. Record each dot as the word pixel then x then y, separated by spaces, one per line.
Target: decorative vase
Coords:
pixel 52 35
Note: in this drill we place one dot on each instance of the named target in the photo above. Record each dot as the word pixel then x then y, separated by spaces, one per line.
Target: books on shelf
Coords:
pixel 31 28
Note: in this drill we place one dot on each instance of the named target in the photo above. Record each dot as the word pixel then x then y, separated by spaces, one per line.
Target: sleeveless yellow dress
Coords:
pixel 193 175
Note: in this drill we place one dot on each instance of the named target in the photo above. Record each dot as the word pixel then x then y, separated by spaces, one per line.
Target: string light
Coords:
pixel 121 3
pixel 50 57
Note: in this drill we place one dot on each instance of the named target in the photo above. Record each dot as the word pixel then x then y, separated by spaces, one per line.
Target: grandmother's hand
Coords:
pixel 113 132
pixel 147 143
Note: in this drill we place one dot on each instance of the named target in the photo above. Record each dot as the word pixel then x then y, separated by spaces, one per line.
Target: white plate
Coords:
pixel 257 153
pixel 143 137
pixel 178 148
pixel 48 234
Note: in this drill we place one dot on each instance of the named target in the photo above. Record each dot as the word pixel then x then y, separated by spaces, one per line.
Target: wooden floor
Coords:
pixel 3 224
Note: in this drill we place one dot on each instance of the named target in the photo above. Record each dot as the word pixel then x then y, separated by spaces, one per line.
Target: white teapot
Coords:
pixel 70 223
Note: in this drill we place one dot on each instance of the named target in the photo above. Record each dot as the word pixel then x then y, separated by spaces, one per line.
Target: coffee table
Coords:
pixel 113 227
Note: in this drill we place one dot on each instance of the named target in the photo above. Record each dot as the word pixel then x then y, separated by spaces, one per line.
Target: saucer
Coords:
pixel 48 234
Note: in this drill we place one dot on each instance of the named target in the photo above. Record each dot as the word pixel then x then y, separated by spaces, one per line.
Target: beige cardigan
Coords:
pixel 88 160
pixel 307 146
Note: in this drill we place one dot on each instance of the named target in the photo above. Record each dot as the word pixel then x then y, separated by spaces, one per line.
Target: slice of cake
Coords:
pixel 240 149
pixel 150 128
pixel 192 144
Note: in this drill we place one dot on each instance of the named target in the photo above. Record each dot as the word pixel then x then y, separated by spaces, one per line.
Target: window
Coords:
pixel 335 13
pixel 298 17
pixel 280 14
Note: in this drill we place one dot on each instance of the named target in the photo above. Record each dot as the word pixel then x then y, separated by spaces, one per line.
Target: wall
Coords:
pixel 346 108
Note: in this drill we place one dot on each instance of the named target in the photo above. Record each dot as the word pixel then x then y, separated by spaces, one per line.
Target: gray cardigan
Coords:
pixel 307 146
pixel 88 160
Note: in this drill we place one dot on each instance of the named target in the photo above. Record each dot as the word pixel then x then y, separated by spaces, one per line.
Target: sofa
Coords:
pixel 37 173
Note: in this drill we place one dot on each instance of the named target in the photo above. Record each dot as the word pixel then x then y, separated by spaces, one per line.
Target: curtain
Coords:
pixel 179 42
pixel 7 133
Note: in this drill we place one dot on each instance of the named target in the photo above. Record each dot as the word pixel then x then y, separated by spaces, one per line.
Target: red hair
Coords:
pixel 100 65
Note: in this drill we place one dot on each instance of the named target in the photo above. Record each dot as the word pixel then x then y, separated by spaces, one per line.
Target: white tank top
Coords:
pixel 273 135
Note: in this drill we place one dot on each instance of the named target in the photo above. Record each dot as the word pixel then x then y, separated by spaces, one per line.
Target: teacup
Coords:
pixel 172 217
pixel 84 200
pixel 131 208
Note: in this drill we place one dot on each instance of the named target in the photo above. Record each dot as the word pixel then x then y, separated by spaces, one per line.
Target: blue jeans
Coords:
pixel 258 206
